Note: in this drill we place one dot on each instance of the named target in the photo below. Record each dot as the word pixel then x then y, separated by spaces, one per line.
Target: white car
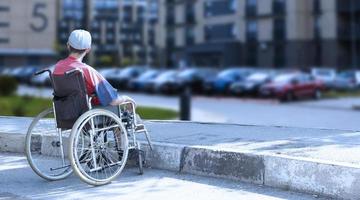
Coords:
pixel 108 72
pixel 326 75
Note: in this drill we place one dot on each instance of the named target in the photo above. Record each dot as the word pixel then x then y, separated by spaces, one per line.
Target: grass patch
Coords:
pixel 156 113
pixel 339 94
pixel 23 105
pixel 31 106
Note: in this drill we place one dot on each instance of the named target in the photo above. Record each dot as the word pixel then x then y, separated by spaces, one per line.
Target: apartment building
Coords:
pixel 27 32
pixel 121 29
pixel 267 33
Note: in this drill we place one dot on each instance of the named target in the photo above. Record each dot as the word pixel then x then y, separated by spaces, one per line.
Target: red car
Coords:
pixel 288 87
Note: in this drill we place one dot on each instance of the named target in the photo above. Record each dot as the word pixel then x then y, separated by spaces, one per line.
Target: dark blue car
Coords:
pixel 144 79
pixel 195 77
pixel 224 79
pixel 127 74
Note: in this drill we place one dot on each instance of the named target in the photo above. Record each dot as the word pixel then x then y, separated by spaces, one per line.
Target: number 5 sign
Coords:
pixel 40 19
pixel 40 23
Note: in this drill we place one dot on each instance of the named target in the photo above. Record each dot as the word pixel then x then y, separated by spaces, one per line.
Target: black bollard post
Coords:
pixel 185 103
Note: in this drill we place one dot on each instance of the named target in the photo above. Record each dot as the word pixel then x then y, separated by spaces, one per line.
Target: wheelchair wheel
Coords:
pixel 98 147
pixel 43 149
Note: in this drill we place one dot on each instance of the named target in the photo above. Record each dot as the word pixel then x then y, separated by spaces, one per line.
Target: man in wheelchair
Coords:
pixel 79 45
pixel 99 139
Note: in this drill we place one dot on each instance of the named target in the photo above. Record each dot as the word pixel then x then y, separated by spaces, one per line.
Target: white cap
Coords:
pixel 80 39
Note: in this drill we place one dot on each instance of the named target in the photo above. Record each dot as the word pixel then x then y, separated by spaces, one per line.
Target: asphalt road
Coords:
pixel 331 114
pixel 19 182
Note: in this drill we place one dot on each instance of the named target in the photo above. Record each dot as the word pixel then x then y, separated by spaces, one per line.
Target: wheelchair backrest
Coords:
pixel 70 98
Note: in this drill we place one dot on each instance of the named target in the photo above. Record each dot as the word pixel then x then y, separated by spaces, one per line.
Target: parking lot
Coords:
pixel 284 85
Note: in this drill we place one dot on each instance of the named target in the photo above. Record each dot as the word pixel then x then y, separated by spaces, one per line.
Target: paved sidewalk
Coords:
pixel 153 185
pixel 345 103
pixel 315 161
pixel 323 144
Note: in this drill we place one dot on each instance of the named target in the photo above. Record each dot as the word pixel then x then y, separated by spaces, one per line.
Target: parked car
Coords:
pixel 144 79
pixel 252 84
pixel 224 79
pixel 121 80
pixel 42 79
pixel 288 87
pixel 16 72
pixel 165 83
pixel 105 72
pixel 326 75
pixel 25 74
pixel 195 78
pixel 347 80
pixel 6 71
pixel 112 75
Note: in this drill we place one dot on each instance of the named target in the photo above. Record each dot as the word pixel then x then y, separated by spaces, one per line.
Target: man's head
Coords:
pixel 79 42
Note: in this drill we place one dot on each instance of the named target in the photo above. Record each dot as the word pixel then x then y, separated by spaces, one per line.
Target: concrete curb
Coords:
pixel 330 179
pixel 323 178
pixel 311 176
pixel 223 164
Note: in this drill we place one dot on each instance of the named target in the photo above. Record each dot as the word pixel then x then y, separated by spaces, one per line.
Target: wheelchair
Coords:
pixel 74 136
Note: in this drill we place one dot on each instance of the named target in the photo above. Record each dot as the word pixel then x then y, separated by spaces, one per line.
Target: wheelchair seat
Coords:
pixel 70 98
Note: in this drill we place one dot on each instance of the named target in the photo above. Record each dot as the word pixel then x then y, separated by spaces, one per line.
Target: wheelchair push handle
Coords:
pixel 42 71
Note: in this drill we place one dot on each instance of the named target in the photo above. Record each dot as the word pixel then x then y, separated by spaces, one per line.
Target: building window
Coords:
pixel 190 13
pixel 251 6
pixel 279 7
pixel 127 14
pixel 33 60
pixel 279 29
pixel 279 58
pixel 170 15
pixel 141 14
pixel 153 11
pixel 4 24
pixel 317 27
pixel 4 8
pixel 73 9
pixel 106 4
pixel 251 54
pixel 219 32
pixel 189 36
pixel 220 7
pixel 4 40
pixel 110 24
pixel 251 30
pixel 317 6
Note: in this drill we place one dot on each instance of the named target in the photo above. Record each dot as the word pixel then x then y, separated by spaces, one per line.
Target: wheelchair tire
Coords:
pixel 98 147
pixel 42 148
